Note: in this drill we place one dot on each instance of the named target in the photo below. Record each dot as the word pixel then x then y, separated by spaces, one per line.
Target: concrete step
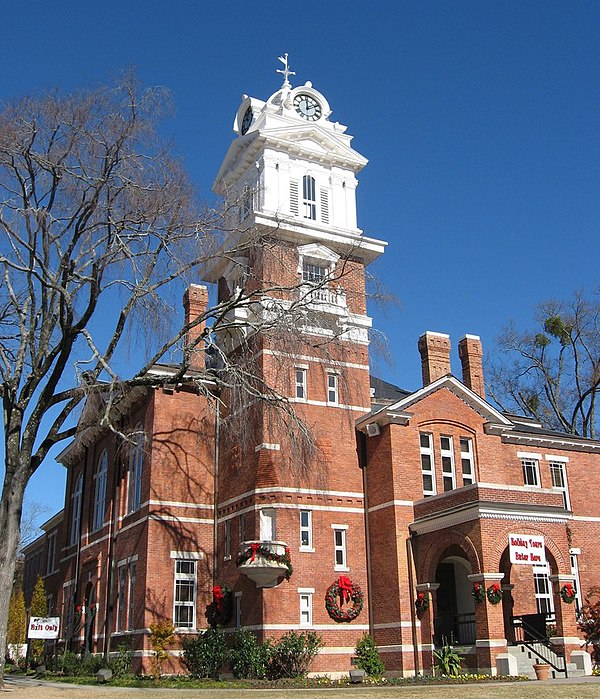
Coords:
pixel 526 658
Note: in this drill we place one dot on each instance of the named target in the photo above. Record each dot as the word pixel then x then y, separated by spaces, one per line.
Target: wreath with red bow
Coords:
pixel 494 593
pixel 221 609
pixel 347 591
pixel 478 592
pixel 567 592
pixel 422 602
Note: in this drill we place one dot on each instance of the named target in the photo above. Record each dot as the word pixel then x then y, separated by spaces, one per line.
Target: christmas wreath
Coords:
pixel 567 592
pixel 422 602
pixel 256 549
pixel 347 591
pixel 221 609
pixel 478 592
pixel 494 593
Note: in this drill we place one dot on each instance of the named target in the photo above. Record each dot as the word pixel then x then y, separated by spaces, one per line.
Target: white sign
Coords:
pixel 527 549
pixel 43 627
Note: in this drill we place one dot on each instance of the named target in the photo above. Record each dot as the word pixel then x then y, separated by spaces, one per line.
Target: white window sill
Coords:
pixel 226 558
pixel 306 549
pixel 341 569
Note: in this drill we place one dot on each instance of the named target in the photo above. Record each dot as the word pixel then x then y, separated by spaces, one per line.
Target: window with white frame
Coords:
pixel 49 605
pixel 300 379
pixel 184 610
pixel 467 460
pixel 314 273
pixel 136 460
pixel 531 472
pixel 68 609
pixel 121 578
pixel 339 548
pixel 306 529
pixel 543 589
pixel 76 509
pixel 306 595
pixel 447 456
pixel 575 573
pixel 332 388
pixel 227 539
pixel 427 464
pixel 100 478
pixel 267 524
pixel 309 197
pixel 131 594
pixel 558 473
pixel 238 610
pixel 246 203
pixel 51 554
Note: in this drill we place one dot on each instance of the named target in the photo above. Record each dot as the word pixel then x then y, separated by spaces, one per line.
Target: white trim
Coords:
pixel 290 506
pixel 325 404
pixel 558 459
pixel 529 455
pixel 336 650
pixel 187 555
pixel 490 643
pixel 316 627
pixel 580 518
pixel 127 560
pixel 318 360
pixel 267 447
pixel 517 488
pixel 160 518
pixel 339 526
pixel 306 590
pixel 298 491
pixel 397 625
pixel 174 503
pixel 575 551
pixel 392 503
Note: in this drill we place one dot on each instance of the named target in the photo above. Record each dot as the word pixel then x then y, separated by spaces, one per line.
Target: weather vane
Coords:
pixel 286 72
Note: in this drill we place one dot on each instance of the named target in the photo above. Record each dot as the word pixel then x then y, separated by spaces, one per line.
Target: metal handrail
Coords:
pixel 540 645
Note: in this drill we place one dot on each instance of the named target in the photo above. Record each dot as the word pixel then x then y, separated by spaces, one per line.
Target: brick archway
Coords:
pixel 501 544
pixel 429 562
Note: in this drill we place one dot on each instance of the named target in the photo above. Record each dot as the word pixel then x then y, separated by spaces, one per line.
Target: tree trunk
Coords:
pixel 10 521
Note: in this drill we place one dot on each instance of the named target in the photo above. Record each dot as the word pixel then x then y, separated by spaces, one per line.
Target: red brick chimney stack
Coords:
pixel 435 356
pixel 195 303
pixel 471 354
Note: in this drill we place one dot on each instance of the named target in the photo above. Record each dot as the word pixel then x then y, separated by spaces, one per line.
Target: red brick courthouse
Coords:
pixel 416 502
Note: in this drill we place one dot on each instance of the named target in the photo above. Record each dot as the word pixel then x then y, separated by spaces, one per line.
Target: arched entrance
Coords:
pixel 454 621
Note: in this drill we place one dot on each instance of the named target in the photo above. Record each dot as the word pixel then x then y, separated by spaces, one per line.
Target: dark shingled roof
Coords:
pixel 385 393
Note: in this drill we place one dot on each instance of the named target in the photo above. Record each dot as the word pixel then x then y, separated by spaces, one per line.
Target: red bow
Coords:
pixel 255 548
pixel 496 587
pixel 218 597
pixel 344 588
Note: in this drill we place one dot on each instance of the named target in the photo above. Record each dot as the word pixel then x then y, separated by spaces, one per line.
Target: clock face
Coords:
pixel 247 120
pixel 307 107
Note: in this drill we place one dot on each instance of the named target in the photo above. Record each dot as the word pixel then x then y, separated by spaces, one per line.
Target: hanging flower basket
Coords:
pixel 567 592
pixel 422 602
pixel 254 550
pixel 347 591
pixel 478 592
pixel 494 593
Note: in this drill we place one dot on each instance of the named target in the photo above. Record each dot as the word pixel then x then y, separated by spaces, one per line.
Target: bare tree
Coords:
pixel 99 231
pixel 552 373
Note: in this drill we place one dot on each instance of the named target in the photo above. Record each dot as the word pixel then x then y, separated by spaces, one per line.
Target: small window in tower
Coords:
pixel 309 197
pixel 246 203
pixel 313 273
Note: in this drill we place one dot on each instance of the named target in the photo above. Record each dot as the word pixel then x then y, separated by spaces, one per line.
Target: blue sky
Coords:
pixel 479 119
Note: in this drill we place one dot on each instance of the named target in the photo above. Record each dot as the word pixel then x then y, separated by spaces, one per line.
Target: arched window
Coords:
pixel 309 197
pixel 136 460
pixel 76 509
pixel 100 491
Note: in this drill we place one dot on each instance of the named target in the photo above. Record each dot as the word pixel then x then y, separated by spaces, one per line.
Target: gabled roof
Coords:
pixel 397 412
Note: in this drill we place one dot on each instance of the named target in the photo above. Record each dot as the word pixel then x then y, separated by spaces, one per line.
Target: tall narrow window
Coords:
pixel 324 205
pixel 332 388
pixel 300 377
pixel 306 596
pixel 467 460
pixel 309 197
pixel 122 570
pixel 238 610
pixel 267 524
pixel 227 539
pixel 242 527
pixel 50 558
pixel 246 203
pixel 543 589
pixel 447 454
pixel 306 529
pixel 576 583
pixel 294 198
pixel 427 465
pixel 559 481
pixel 339 547
pixel 184 612
pixel 76 509
pixel 100 491
pixel 131 594
pixel 531 472
pixel 136 460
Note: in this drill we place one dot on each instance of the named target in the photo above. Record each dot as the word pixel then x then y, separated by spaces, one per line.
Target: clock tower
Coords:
pixel 296 253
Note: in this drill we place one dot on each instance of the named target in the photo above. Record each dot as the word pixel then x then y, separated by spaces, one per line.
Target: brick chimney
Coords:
pixel 471 353
pixel 435 356
pixel 195 302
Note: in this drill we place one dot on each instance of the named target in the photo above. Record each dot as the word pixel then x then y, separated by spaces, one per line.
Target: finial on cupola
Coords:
pixel 286 72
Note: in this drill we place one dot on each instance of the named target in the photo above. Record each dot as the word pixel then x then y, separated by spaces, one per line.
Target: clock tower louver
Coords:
pixel 289 478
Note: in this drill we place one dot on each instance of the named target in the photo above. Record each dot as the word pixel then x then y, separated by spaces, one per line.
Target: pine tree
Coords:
pixel 17 621
pixel 38 608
